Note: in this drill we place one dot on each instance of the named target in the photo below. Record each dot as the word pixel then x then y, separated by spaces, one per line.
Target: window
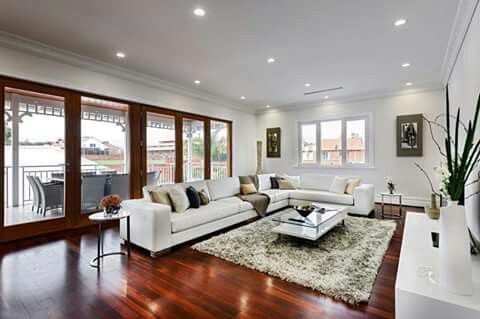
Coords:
pixel 308 143
pixel 193 150
pixel 339 142
pixel 219 150
pixel 160 149
pixel 104 151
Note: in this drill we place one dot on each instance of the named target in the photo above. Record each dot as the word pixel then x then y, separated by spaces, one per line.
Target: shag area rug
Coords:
pixel 342 264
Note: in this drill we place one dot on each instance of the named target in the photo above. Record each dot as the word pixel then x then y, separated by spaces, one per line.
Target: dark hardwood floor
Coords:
pixel 50 277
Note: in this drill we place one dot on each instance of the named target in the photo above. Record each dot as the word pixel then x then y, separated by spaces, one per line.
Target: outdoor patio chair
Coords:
pixel 93 190
pixel 119 185
pixel 152 178
pixel 51 195
pixel 36 194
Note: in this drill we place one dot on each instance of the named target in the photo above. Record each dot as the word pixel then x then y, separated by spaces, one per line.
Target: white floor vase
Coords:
pixel 455 259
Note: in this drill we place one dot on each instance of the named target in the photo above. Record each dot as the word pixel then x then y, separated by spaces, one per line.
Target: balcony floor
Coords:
pixel 23 214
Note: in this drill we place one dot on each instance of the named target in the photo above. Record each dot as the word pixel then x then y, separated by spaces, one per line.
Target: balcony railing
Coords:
pixel 166 175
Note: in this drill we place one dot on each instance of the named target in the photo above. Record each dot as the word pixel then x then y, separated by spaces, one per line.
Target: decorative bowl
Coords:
pixel 304 211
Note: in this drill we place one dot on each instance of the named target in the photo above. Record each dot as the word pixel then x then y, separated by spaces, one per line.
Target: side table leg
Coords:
pixel 128 235
pixel 99 244
pixel 383 207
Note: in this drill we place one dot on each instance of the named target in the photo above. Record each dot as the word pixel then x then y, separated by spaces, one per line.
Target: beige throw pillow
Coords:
pixel 204 200
pixel 285 184
pixel 246 189
pixel 352 183
pixel 160 197
pixel 179 199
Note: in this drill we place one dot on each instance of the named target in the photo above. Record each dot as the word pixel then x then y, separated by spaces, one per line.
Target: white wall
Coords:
pixel 24 65
pixel 464 86
pixel 384 111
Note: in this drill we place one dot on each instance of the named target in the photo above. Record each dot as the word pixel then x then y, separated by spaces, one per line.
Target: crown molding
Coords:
pixel 465 12
pixel 353 99
pixel 42 50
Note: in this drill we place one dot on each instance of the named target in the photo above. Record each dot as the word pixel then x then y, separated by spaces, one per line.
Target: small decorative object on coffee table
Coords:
pixel 101 218
pixel 390 184
pixel 392 197
pixel 111 204
pixel 304 210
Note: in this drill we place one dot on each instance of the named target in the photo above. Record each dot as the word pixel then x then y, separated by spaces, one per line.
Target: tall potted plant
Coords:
pixel 460 160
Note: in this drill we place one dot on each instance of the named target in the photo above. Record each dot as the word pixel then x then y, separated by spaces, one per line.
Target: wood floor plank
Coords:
pixel 50 277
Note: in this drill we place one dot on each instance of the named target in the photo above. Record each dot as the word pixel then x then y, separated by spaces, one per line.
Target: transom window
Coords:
pixel 335 142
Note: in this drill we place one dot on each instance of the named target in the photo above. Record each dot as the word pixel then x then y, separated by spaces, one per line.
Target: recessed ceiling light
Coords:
pixel 405 65
pixel 400 22
pixel 242 97
pixel 409 84
pixel 270 60
pixel 120 55
pixel 267 106
pixel 196 82
pixel 307 85
pixel 199 12
pixel 326 97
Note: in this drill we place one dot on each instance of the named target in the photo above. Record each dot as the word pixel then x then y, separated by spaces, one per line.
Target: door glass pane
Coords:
pixel 160 149
pixel 104 151
pixel 34 152
pixel 193 150
pixel 308 143
pixel 219 150
pixel 356 142
pixel 331 143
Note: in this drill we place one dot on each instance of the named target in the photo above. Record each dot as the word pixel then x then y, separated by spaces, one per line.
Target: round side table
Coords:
pixel 100 219
pixel 392 197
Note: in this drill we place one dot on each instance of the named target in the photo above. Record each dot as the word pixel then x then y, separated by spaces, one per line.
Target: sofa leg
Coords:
pixel 154 254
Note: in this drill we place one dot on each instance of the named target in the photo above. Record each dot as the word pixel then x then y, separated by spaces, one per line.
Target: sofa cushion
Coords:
pixel 205 214
pixel 242 205
pixel 277 195
pixel 321 196
pixel 264 181
pixel 316 181
pixel 225 187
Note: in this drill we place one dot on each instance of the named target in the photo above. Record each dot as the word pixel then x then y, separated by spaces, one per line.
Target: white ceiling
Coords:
pixel 326 43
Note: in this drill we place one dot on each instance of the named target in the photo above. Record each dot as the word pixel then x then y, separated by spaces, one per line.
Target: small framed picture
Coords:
pixel 410 135
pixel 273 142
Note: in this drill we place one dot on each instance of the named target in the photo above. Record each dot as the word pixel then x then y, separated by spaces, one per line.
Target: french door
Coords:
pixel 39 159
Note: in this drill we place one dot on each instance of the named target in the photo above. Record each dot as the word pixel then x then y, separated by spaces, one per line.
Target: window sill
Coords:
pixel 318 166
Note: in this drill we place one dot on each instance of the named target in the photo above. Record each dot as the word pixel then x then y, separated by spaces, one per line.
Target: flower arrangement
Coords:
pixel 111 204
pixel 459 160
pixel 390 184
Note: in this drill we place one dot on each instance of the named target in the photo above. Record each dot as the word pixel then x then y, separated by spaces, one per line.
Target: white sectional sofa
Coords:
pixel 156 228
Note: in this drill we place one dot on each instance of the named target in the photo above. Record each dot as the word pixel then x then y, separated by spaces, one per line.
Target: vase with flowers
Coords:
pixel 459 161
pixel 111 204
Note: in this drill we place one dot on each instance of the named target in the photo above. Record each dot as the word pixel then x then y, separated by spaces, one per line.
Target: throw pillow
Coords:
pixel 352 183
pixel 245 179
pixel 285 184
pixel 294 180
pixel 338 185
pixel 274 182
pixel 264 181
pixel 160 197
pixel 246 189
pixel 193 197
pixel 204 200
pixel 179 199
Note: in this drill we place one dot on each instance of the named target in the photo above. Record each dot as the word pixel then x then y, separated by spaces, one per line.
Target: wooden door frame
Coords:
pixel 18 231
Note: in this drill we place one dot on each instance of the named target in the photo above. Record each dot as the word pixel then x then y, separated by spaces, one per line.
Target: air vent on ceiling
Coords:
pixel 324 90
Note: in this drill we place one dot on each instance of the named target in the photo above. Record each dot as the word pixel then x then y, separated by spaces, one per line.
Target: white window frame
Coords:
pixel 369 151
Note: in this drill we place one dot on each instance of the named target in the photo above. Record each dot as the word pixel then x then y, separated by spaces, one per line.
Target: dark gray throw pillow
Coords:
pixel 193 197
pixel 274 181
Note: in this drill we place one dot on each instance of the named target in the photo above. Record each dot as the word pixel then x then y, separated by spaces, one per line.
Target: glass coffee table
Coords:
pixel 312 227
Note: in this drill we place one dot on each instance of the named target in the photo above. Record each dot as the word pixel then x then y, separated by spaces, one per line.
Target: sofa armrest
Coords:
pixel 363 199
pixel 150 225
